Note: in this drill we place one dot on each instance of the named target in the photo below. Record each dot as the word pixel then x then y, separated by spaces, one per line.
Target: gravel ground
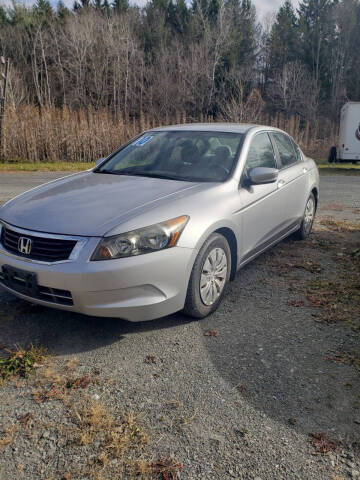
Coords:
pixel 240 405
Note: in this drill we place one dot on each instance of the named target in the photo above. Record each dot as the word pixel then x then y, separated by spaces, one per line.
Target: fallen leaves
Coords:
pixel 211 333
pixel 167 467
pixel 24 419
pixel 341 226
pixel 344 358
pixel 150 359
pixel 322 443
pixel 81 382
pixel 241 388
pixel 54 393
pixel 296 303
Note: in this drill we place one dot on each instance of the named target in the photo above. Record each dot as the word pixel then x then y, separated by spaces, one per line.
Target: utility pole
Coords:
pixel 4 68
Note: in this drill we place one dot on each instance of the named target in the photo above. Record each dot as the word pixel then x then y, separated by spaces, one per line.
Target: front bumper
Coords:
pixel 135 288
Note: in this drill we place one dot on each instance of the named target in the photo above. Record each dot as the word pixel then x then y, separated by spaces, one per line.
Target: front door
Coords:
pixel 262 215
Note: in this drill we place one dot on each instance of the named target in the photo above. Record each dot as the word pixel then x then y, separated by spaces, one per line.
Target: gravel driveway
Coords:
pixel 235 395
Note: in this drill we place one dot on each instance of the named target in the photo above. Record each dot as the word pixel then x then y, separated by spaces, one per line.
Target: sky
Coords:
pixel 263 7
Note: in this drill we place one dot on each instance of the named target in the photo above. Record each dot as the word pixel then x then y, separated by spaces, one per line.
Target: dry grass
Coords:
pixel 341 226
pixel 337 299
pixel 119 440
pixel 8 435
pixel 45 166
pixel 82 136
pixel 331 259
pixel 112 442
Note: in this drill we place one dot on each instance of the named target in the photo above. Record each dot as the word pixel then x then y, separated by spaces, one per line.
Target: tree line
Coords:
pixel 208 58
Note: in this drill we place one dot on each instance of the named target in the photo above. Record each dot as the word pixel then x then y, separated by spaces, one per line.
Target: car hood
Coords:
pixel 88 203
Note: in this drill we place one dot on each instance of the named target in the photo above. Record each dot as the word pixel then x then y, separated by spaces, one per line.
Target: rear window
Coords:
pixel 286 149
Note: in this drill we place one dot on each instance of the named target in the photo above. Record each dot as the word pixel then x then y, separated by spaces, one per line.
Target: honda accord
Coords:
pixel 160 225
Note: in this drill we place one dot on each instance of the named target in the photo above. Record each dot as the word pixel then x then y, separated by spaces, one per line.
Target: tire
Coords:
pixel 308 220
pixel 332 155
pixel 201 300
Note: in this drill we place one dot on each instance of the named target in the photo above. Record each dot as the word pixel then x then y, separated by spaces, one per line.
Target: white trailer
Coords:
pixel 349 137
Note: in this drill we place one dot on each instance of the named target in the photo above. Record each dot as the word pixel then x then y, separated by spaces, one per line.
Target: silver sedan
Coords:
pixel 161 225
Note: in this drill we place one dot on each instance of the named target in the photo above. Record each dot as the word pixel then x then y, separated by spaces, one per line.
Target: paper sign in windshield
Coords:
pixel 143 141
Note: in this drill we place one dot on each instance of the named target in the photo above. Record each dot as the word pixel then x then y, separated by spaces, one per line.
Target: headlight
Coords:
pixel 145 240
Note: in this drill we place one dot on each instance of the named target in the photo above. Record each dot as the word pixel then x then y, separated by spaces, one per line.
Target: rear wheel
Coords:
pixel 308 219
pixel 209 276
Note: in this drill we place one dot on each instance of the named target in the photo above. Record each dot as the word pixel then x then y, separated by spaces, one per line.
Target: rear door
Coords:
pixel 292 178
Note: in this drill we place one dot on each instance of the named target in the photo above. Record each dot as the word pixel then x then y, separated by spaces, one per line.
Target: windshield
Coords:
pixel 178 155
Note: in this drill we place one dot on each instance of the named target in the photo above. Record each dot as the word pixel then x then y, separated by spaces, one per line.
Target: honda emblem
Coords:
pixel 24 245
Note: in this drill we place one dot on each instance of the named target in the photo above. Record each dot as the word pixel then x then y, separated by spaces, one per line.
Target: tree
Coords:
pixel 62 11
pixel 43 10
pixel 316 27
pixel 120 6
pixel 284 40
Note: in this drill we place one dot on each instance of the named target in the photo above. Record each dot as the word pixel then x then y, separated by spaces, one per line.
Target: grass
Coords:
pixel 114 442
pixel 45 166
pixel 326 168
pixel 21 362
pixel 23 166
pixel 341 226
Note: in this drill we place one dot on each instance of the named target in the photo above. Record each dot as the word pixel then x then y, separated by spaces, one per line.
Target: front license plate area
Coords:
pixel 20 280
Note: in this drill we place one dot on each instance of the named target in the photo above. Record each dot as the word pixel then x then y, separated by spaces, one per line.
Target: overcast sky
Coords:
pixel 264 7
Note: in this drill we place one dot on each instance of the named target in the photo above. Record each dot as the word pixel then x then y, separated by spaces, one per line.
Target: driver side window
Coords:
pixel 261 153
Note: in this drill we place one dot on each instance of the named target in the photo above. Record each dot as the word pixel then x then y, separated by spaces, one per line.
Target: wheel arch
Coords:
pixel 315 192
pixel 231 239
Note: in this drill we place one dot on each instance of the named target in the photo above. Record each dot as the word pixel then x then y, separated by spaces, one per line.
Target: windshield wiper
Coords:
pixel 104 171
pixel 152 175
pixel 143 173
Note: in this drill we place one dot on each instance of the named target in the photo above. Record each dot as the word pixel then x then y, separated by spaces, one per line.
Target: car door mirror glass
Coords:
pixel 261 175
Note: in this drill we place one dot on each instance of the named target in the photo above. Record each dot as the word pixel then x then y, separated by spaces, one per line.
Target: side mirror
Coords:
pixel 261 175
pixel 99 160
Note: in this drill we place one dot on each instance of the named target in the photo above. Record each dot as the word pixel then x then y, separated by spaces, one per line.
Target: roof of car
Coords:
pixel 215 127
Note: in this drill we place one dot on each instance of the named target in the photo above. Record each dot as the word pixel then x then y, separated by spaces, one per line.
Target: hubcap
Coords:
pixel 213 276
pixel 309 215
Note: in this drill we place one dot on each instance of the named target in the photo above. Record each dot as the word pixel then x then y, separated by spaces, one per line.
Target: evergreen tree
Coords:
pixel 62 11
pixel 43 10
pixel 120 6
pixel 3 16
pixel 284 41
pixel 106 8
pixel 316 29
pixel 242 48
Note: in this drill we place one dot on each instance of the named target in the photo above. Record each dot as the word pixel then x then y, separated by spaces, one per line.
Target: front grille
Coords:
pixel 48 294
pixel 45 249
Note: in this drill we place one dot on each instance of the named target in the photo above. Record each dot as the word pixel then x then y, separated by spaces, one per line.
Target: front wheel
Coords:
pixel 209 276
pixel 308 219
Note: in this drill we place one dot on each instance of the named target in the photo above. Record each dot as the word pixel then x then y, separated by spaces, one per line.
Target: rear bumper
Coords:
pixel 135 288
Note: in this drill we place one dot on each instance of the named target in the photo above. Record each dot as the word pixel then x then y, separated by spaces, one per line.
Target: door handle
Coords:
pixel 281 183
pixel 305 170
